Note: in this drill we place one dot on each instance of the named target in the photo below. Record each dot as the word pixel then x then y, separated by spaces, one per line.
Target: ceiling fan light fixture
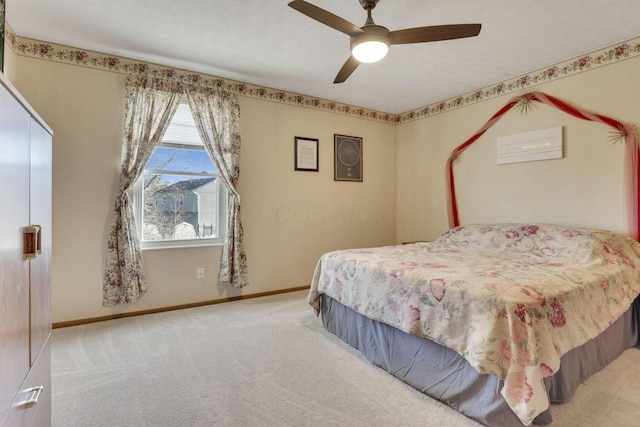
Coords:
pixel 372 45
pixel 370 51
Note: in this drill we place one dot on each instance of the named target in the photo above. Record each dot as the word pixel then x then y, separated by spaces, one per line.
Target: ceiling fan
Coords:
pixel 371 42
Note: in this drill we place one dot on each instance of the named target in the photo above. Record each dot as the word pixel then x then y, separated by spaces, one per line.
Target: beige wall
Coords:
pixel 586 187
pixel 290 218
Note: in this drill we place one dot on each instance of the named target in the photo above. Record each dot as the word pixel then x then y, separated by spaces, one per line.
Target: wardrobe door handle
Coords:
pixel 30 242
pixel 32 399
pixel 39 240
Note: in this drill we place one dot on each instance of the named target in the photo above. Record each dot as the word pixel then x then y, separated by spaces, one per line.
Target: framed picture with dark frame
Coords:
pixel 347 158
pixel 306 154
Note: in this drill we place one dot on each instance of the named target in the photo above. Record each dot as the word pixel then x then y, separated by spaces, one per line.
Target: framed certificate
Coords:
pixel 306 154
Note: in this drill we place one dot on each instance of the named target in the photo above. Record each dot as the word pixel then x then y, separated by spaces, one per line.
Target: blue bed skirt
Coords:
pixel 443 374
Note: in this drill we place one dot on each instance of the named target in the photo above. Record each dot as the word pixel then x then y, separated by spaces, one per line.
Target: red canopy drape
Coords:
pixel 625 132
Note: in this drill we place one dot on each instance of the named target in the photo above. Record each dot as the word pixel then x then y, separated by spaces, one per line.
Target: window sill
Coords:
pixel 180 246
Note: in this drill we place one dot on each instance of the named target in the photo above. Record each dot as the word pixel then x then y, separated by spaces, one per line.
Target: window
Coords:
pixel 179 200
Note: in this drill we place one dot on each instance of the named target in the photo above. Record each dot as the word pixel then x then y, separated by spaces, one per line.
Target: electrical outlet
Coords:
pixel 200 273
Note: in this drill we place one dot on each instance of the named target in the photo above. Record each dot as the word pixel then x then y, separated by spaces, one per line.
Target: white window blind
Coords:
pixel 182 129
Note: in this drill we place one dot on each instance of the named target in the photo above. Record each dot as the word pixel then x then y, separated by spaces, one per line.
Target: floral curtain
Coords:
pixel 217 117
pixel 150 105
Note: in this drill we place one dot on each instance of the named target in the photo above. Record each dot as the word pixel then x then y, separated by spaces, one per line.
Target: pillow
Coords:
pixel 490 237
pixel 544 240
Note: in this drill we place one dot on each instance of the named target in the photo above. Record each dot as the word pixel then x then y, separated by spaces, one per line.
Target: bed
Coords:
pixel 495 320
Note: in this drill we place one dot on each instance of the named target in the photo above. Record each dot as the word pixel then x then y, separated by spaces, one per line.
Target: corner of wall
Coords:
pixel 9 64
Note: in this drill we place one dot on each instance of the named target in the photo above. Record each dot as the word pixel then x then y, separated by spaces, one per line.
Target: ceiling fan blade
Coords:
pixel 346 70
pixel 327 18
pixel 434 33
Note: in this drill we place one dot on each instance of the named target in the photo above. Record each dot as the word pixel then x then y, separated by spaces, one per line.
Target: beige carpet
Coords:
pixel 266 362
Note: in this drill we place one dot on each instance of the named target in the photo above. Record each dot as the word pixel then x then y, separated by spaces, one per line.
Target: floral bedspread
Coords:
pixel 510 298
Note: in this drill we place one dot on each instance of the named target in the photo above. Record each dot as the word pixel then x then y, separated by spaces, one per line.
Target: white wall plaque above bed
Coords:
pixel 542 144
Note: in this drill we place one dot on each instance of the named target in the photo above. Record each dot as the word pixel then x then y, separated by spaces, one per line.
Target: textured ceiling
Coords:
pixel 266 43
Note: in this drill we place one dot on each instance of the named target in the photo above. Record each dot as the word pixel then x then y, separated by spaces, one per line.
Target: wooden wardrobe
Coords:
pixel 25 262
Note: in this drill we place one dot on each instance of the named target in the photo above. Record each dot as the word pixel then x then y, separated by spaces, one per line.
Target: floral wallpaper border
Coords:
pixel 525 82
pixel 59 53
